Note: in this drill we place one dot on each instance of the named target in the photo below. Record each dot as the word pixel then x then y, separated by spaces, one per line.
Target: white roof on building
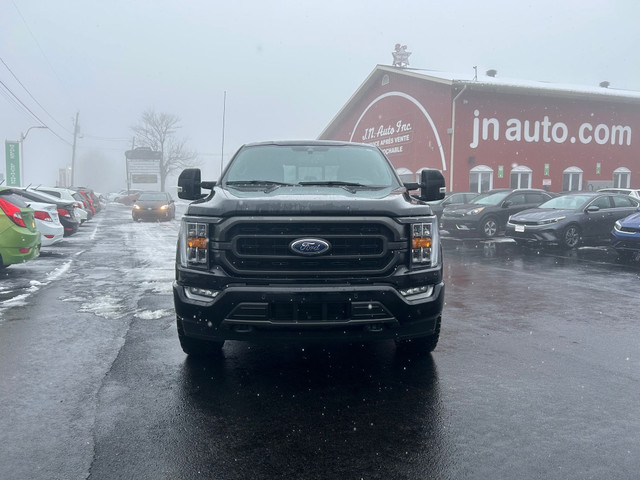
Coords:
pixel 497 81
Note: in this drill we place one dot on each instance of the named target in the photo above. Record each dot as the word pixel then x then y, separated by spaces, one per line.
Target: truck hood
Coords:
pixel 309 200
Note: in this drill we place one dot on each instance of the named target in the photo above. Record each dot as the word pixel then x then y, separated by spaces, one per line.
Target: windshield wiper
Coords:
pixel 271 185
pixel 350 186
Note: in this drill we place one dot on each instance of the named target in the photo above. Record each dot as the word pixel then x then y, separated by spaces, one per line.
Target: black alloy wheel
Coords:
pixel 571 237
pixel 489 227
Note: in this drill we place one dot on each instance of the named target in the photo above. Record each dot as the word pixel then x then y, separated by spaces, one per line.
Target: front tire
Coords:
pixel 421 345
pixel 626 255
pixel 571 237
pixel 489 227
pixel 195 347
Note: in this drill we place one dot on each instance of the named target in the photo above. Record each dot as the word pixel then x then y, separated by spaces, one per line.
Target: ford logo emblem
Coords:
pixel 309 246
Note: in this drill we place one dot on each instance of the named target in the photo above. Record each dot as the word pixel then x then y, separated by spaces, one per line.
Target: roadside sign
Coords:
pixel 12 155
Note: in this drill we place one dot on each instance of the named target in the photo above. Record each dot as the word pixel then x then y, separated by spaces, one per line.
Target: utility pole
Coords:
pixel 73 152
pixel 133 146
pixel 224 112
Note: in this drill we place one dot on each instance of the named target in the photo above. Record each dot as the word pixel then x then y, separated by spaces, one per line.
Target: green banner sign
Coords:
pixel 12 153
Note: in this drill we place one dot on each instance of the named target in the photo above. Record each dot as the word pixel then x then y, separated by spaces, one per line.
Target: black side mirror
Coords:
pixel 593 209
pixel 189 184
pixel 432 185
pixel 506 204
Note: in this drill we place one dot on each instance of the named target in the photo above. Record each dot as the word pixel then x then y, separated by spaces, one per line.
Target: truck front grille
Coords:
pixel 357 247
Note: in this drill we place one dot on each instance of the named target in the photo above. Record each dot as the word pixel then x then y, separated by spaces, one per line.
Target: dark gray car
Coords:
pixel 571 220
pixel 451 198
pixel 486 215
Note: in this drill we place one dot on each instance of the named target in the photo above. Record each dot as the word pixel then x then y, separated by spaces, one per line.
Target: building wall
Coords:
pixel 548 135
pixel 542 133
pixel 406 117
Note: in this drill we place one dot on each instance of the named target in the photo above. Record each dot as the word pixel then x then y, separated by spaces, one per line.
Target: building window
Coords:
pixel 521 177
pixel 480 179
pixel 622 178
pixel 385 80
pixel 572 179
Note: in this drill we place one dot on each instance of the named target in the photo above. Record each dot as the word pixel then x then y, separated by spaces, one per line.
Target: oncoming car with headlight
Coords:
pixel 310 240
pixel 153 206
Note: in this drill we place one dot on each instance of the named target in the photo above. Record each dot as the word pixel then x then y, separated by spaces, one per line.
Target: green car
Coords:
pixel 19 237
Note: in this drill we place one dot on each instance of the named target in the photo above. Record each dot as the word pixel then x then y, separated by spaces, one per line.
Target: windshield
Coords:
pixel 153 197
pixel 490 199
pixel 310 165
pixel 572 202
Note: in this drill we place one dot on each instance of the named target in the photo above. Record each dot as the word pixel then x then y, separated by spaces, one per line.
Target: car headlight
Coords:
pixel 164 207
pixel 475 211
pixel 136 207
pixel 617 226
pixel 424 244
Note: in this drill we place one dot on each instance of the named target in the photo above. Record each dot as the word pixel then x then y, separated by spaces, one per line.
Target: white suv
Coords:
pixel 632 192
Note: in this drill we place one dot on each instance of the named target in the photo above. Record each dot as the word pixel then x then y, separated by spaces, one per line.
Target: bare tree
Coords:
pixel 158 132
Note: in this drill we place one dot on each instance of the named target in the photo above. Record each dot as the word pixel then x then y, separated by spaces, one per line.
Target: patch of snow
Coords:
pixel 152 314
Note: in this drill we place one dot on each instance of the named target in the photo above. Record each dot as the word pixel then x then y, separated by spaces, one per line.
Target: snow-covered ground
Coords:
pixel 149 246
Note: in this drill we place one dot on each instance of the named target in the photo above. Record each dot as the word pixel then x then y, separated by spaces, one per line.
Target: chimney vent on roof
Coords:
pixel 605 84
pixel 492 73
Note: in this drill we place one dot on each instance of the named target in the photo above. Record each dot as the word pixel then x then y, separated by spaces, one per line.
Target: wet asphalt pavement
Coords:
pixel 537 375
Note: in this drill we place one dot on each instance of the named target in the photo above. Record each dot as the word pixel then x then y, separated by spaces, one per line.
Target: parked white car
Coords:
pixel 70 196
pixel 47 222
pixel 632 192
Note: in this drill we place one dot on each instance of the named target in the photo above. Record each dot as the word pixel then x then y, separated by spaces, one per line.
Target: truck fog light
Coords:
pixel 196 293
pixel 426 290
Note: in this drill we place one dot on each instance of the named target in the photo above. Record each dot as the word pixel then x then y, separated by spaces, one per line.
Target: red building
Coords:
pixel 487 132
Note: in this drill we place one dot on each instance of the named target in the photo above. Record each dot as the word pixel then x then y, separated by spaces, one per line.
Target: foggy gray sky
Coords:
pixel 287 66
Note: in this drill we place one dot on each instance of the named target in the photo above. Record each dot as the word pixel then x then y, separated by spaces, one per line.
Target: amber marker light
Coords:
pixel 421 242
pixel 197 242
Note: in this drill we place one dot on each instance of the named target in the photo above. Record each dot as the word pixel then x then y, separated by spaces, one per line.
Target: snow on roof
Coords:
pixel 487 81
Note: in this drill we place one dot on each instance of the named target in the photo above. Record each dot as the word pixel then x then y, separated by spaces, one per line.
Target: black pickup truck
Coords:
pixel 308 240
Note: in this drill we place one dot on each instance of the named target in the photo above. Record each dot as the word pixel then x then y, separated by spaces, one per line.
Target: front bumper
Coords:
pixel 313 312
pixel 155 214
pixel 536 233
pixel 459 226
pixel 629 242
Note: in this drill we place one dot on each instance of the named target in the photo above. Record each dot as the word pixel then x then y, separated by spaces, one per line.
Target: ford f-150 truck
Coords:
pixel 308 240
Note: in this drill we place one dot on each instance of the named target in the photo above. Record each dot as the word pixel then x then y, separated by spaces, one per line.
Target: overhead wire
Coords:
pixel 38 119
pixel 32 97
pixel 13 101
pixel 38 44
pixel 7 89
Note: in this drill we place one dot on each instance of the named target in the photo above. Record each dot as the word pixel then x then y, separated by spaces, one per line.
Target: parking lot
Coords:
pixel 535 375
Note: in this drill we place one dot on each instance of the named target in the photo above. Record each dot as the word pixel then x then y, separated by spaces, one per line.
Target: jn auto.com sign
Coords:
pixel 12 155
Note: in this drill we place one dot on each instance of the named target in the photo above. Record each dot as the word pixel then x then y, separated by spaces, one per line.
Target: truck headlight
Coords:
pixel 194 244
pixel 424 248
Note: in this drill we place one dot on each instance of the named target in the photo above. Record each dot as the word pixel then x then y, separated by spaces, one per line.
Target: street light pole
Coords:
pixel 73 151
pixel 22 137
